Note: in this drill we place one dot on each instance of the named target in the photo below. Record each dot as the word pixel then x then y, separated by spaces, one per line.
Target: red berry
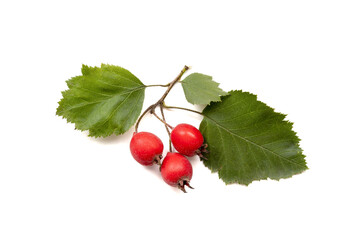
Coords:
pixel 186 139
pixel 176 170
pixel 146 148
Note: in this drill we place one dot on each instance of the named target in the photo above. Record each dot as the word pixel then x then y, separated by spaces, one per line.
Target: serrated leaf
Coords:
pixel 248 141
pixel 106 100
pixel 201 89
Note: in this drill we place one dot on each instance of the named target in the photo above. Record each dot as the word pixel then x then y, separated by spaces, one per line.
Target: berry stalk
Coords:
pixel 166 126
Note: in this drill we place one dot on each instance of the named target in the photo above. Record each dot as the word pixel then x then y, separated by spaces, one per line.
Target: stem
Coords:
pixel 158 85
pixel 171 85
pixel 152 107
pixel 181 108
pixel 142 115
pixel 165 123
pixel 166 126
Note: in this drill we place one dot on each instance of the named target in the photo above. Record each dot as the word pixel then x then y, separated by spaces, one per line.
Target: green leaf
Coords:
pixel 248 141
pixel 106 100
pixel 201 89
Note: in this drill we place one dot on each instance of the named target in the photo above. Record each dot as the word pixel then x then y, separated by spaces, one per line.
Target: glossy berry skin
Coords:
pixel 186 139
pixel 146 148
pixel 176 170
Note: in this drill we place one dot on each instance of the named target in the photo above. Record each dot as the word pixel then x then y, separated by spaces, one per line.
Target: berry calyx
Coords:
pixel 186 139
pixel 146 148
pixel 176 170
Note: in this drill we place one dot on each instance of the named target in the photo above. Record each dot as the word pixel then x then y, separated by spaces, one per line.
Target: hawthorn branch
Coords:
pixel 152 107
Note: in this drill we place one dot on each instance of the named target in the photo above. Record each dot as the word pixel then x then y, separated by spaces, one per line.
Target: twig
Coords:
pixel 152 107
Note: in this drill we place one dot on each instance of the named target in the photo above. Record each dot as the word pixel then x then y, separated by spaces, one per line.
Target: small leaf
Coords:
pixel 248 141
pixel 106 100
pixel 201 89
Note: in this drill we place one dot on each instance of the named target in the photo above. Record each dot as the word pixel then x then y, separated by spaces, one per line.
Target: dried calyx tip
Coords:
pixel 157 159
pixel 201 150
pixel 182 184
pixel 187 184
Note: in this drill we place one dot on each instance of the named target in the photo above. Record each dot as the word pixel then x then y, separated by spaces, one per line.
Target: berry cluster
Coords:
pixel 176 170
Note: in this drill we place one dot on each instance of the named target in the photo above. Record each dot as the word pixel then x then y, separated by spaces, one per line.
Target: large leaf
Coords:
pixel 249 141
pixel 201 89
pixel 105 100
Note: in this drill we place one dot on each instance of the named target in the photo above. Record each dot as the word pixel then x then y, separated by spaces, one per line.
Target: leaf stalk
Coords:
pixel 158 85
pixel 181 108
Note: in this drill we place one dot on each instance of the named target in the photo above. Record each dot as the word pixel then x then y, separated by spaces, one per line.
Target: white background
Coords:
pixel 300 57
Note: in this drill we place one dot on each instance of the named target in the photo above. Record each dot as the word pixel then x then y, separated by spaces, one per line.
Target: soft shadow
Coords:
pixel 199 107
pixel 113 139
pixel 154 170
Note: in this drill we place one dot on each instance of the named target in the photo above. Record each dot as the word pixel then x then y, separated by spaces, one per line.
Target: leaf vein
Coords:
pixel 115 109
pixel 260 146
